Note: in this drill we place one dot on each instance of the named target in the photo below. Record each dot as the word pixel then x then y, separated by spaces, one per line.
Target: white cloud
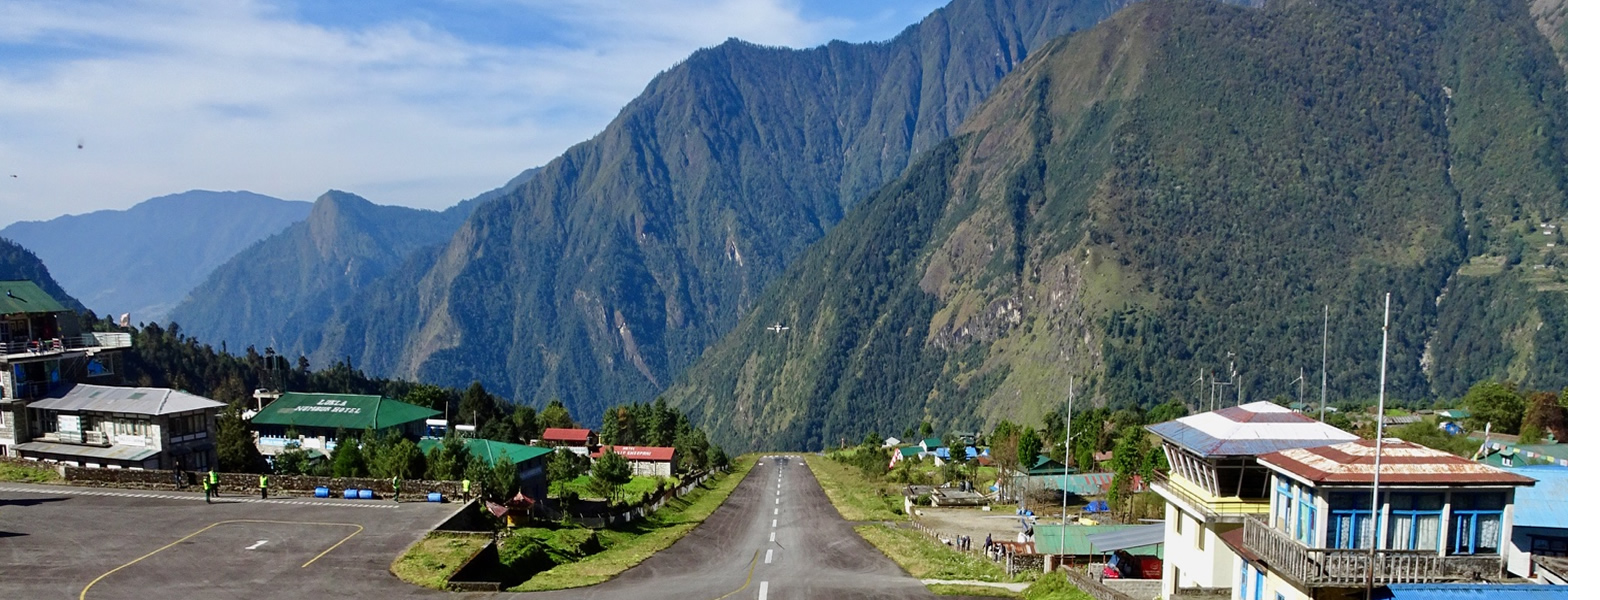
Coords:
pixel 170 96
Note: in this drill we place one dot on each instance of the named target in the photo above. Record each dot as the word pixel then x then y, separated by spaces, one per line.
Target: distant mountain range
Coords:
pixel 19 264
pixel 1177 192
pixel 144 259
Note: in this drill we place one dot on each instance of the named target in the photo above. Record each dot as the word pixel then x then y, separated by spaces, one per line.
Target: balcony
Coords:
pixel 1199 502
pixel 90 342
pixel 1328 567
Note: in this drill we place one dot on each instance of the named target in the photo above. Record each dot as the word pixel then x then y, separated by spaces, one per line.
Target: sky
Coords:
pixel 104 104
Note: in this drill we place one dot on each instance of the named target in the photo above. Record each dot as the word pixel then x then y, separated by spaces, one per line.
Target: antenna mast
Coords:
pixel 1322 411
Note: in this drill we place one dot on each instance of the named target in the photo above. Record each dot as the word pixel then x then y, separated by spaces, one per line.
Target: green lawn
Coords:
pixel 925 558
pixel 432 560
pixel 27 473
pixel 856 498
pixel 1055 586
pixel 626 546
pixel 983 591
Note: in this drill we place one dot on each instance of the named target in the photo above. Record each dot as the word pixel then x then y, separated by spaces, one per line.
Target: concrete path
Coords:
pixel 1015 587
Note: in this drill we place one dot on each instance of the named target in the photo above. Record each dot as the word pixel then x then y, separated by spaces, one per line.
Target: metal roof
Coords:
pixel 1050 538
pixel 1470 591
pixel 1403 463
pixel 1249 430
pixel 333 411
pixel 1133 537
pixel 490 451
pixel 130 400
pixel 19 297
pixel 115 452
pixel 1544 504
pixel 637 452
pixel 558 434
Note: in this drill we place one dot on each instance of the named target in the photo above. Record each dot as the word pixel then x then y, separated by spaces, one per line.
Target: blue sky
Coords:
pixel 419 103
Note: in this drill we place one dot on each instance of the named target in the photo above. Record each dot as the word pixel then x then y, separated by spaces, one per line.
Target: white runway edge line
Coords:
pixel 769 556
pixel 763 595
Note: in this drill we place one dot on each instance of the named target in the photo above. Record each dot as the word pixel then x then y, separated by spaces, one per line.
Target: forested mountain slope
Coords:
pixel 265 292
pixel 608 273
pixel 1178 189
pixel 19 264
pixel 144 259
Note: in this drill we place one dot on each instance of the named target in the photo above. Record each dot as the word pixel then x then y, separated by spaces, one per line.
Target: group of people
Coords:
pixel 212 483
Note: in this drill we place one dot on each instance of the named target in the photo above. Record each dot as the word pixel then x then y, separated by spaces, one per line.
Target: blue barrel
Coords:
pixel 322 492
pixel 435 497
pixel 351 494
pixel 366 494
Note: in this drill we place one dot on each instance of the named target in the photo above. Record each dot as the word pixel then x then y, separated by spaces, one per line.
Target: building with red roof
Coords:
pixel 646 460
pixel 577 441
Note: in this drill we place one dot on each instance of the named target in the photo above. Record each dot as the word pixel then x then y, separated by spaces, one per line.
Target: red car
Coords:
pixel 1127 566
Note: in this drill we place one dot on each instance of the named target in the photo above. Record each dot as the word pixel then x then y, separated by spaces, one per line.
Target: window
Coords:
pixel 1475 522
pixel 1261 584
pixel 1284 498
pixel 1244 580
pixel 1199 537
pixel 1308 515
pixel 1177 525
pixel 1349 520
pixel 1414 521
pixel 1542 545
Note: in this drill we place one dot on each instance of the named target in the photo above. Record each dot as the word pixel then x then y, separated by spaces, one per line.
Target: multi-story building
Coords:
pixel 1440 518
pixel 122 427
pixel 1215 484
pixel 42 350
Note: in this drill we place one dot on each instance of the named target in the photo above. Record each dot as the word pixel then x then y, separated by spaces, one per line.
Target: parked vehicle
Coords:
pixel 1127 566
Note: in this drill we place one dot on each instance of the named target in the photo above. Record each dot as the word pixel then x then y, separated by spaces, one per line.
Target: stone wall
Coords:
pixel 1093 587
pixel 249 483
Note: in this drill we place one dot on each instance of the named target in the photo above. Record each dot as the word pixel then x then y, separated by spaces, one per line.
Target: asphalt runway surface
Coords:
pixel 776 536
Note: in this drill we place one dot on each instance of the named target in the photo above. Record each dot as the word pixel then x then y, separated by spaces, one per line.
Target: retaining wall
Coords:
pixel 249 483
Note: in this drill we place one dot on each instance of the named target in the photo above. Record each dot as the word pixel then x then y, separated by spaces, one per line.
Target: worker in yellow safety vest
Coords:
pixel 211 485
pixel 263 487
pixel 466 489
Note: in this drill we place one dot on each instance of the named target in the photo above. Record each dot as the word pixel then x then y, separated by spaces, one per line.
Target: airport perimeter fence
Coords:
pixel 250 483
pixel 599 519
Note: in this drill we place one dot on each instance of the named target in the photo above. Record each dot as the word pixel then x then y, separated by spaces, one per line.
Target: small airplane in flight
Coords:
pixel 778 328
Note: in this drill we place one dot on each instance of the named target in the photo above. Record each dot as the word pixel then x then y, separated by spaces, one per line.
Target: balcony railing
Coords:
pixel 1330 567
pixel 1216 510
pixel 87 341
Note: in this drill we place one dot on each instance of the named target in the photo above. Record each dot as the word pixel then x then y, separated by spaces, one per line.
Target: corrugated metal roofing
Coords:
pixel 557 434
pixel 130 400
pixel 1133 537
pixel 1403 462
pixel 114 452
pixel 490 451
pixel 17 297
pixel 1470 591
pixel 638 452
pixel 1249 430
pixel 350 411
pixel 1071 539
pixel 1544 504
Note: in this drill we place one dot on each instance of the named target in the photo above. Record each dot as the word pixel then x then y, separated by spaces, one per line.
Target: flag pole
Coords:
pixel 1377 447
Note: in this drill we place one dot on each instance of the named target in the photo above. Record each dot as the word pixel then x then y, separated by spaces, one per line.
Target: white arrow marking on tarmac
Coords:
pixel 763 590
pixel 769 556
pixel 256 545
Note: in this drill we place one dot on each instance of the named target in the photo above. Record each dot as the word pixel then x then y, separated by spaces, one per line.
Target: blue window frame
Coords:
pixel 1308 516
pixel 1414 520
pixel 1261 584
pixel 1244 574
pixel 1349 520
pixel 1475 522
pixel 1285 496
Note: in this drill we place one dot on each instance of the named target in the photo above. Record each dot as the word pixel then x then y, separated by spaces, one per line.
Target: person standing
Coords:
pixel 263 487
pixel 466 490
pixel 396 482
pixel 212 482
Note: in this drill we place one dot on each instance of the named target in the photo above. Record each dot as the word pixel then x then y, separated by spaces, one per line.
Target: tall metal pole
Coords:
pixel 1322 411
pixel 1066 463
pixel 1377 446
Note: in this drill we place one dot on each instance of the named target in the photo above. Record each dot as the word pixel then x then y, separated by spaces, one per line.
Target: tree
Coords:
pixel 347 459
pixel 1545 414
pixel 1028 447
pixel 1171 410
pixel 555 415
pixel 873 440
pixel 500 481
pixel 477 406
pixel 430 396
pixel 1495 404
pixel 718 458
pixel 565 466
pixel 449 460
pixel 292 461
pixel 611 472
pixel 525 422
pixel 399 458
pixel 692 450
pixel 235 452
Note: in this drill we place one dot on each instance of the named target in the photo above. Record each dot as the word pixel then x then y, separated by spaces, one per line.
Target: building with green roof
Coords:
pixel 317 419
pixel 530 461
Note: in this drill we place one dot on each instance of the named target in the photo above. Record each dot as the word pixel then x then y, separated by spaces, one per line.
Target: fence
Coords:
pixel 626 514
pixel 250 483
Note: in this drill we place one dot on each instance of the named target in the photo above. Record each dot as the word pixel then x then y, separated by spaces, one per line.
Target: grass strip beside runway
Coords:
pixel 925 558
pixel 18 472
pixel 627 546
pixel 982 591
pixel 856 497
pixel 430 562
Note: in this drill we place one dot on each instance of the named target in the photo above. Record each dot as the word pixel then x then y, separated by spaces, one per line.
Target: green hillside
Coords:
pixel 1183 187
pixel 607 273
pixel 18 264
